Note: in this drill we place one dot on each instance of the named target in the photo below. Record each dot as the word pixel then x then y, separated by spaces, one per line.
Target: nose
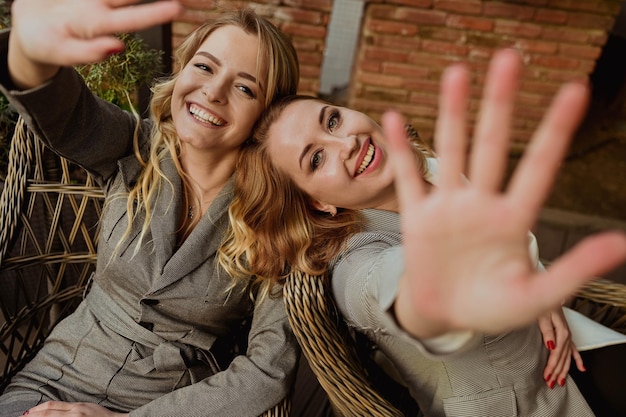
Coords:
pixel 348 145
pixel 215 92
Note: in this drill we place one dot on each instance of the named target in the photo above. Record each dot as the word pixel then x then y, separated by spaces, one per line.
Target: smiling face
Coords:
pixel 219 94
pixel 335 155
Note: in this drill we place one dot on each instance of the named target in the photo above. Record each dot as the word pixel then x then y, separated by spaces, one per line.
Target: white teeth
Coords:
pixel 205 117
pixel 367 160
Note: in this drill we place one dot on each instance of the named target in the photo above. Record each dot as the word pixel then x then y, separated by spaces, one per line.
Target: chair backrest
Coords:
pixel 49 229
pixel 339 367
pixel 48 234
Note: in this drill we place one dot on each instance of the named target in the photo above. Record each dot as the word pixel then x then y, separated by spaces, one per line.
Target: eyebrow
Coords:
pixel 219 63
pixel 306 149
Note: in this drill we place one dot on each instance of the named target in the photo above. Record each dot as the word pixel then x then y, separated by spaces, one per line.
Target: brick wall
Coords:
pixel 405 44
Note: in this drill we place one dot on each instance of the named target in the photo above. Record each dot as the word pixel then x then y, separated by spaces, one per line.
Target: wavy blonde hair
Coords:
pixel 276 53
pixel 275 229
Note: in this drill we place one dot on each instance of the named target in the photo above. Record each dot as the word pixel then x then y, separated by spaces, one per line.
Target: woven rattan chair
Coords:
pixel 338 365
pixel 48 234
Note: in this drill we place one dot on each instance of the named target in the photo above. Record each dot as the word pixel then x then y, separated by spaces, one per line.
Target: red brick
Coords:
pixel 594 6
pixel 380 80
pixel 384 54
pixel 430 85
pixel 384 94
pixel 420 4
pixel 444 48
pixel 444 34
pixel 597 37
pixel 510 27
pixel 593 21
pixel 423 16
pixel 423 98
pixel 311 58
pixel 394 68
pixel 300 15
pixel 390 26
pixel 379 11
pixel 565 34
pixel 323 5
pixel 410 43
pixel 310 71
pixel 552 16
pixel 536 46
pixel 460 6
pixel 508 10
pixel 581 51
pixel 557 62
pixel 304 30
pixel 470 23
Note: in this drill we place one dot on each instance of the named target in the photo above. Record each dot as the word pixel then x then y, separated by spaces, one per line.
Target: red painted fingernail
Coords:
pixel 562 382
pixel 26 412
pixel 115 51
pixel 550 344
pixel 584 369
pixel 551 384
pixel 548 377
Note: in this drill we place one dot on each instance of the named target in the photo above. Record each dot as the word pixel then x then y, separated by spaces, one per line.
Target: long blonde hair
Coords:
pixel 276 53
pixel 274 227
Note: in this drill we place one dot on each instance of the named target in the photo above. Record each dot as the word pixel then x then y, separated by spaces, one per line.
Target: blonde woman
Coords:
pixel 153 336
pixel 439 272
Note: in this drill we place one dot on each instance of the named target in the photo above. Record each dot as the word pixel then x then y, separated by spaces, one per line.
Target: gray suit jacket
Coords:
pixel 491 376
pixel 143 338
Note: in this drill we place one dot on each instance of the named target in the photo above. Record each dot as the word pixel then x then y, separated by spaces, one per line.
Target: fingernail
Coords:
pixel 550 344
pixel 584 369
pixel 551 384
pixel 115 51
pixel 562 382
pixel 548 377
pixel 26 412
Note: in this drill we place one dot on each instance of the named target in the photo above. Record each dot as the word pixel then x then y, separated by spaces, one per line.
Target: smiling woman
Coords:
pixel 155 333
pixel 415 261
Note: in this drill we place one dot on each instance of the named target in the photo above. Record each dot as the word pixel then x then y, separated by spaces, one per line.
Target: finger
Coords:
pixel 592 257
pixel 135 18
pixel 536 171
pixel 578 359
pixel 409 184
pixel 547 331
pixel 81 52
pixel 490 143
pixel 451 126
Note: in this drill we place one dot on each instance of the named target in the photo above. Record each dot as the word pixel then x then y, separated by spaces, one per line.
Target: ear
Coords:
pixel 328 208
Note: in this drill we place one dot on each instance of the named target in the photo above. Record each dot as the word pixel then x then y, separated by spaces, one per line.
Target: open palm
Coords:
pixel 467 265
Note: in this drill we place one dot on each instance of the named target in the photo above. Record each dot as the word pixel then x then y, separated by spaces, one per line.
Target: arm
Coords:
pixel 461 272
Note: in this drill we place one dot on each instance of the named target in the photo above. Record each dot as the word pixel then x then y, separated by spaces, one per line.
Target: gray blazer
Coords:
pixel 491 376
pixel 145 338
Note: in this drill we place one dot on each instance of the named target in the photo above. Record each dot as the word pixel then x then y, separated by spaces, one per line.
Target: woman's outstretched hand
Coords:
pixel 467 265
pixel 46 35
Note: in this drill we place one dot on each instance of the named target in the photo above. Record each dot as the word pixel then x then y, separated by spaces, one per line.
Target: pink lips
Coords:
pixel 373 163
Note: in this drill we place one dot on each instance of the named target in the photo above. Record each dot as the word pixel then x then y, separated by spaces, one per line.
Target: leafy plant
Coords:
pixel 117 78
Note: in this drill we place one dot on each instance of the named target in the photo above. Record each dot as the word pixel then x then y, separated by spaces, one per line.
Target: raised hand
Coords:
pixel 467 265
pixel 48 34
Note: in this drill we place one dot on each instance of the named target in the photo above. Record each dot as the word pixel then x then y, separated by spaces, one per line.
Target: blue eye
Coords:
pixel 333 120
pixel 247 91
pixel 316 160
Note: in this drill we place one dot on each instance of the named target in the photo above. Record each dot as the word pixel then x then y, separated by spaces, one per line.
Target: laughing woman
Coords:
pixel 441 273
pixel 152 338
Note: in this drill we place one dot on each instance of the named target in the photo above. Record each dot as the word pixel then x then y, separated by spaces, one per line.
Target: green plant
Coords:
pixel 116 79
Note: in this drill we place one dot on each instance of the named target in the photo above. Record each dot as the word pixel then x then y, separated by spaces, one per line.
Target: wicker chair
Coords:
pixel 338 365
pixel 48 234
